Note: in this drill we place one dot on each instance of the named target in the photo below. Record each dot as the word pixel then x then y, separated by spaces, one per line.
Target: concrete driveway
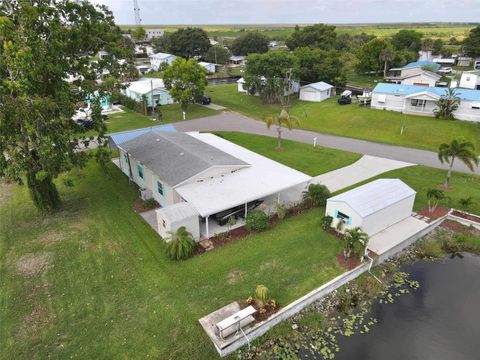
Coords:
pixel 363 169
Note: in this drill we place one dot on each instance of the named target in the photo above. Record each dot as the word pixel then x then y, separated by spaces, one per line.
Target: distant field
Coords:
pixel 280 32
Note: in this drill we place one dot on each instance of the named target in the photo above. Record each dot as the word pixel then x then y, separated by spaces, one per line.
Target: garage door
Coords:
pixel 309 95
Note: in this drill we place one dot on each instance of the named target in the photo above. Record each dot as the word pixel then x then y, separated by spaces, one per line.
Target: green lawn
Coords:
pixel 303 157
pixel 92 282
pixel 363 80
pixel 354 121
pixel 171 113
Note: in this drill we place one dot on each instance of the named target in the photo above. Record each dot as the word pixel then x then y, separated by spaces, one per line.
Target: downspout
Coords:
pixel 129 166
pixel 366 256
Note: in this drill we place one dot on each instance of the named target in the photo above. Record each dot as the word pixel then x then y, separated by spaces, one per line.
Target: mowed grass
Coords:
pixel 129 119
pixel 302 157
pixel 92 281
pixel 354 121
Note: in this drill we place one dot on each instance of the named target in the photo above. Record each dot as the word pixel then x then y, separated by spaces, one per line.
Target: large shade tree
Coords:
pixel 312 65
pixel 250 43
pixel 44 43
pixel 319 36
pixel 370 55
pixel 457 149
pixel 189 42
pixel 471 44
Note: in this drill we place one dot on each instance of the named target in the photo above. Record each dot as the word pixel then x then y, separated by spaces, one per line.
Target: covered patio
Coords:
pixel 420 103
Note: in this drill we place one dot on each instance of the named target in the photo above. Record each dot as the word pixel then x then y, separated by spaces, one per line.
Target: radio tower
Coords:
pixel 136 10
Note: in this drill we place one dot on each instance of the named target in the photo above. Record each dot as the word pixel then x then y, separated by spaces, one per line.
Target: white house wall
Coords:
pixel 165 226
pixel 384 218
pixel 420 79
pixel 469 81
pixel 333 207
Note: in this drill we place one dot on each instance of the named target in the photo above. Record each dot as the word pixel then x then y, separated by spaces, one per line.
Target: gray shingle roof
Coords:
pixel 175 156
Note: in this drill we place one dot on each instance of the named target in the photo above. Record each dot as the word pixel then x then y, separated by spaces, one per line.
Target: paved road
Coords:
pixel 236 122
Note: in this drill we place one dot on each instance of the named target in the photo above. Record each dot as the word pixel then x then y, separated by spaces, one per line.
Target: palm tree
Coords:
pixel 284 119
pixel 355 241
pixel 181 245
pixel 387 55
pixel 447 104
pixel 461 149
pixel 434 196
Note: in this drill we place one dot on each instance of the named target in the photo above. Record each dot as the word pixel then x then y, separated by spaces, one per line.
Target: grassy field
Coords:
pixel 171 113
pixel 280 32
pixel 354 121
pixel 303 157
pixel 92 282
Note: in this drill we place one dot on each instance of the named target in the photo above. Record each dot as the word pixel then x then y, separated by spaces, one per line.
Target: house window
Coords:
pixel 160 188
pixel 418 102
pixel 140 171
pixel 342 216
pixel 125 158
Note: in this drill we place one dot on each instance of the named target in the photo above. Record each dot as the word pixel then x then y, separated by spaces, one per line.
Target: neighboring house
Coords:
pixel 143 69
pixel 150 88
pixel 213 42
pixel 102 54
pixel 417 100
pixel 424 55
pixel 444 61
pixel 156 60
pixel 210 67
pixel 143 50
pixel 415 74
pixel 153 33
pixel 295 88
pixel 194 176
pixel 476 65
pixel 464 61
pixel 316 92
pixel 373 207
pixel 470 80
pixel 237 61
pixel 240 86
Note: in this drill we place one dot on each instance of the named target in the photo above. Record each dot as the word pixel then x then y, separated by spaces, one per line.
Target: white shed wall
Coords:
pixel 192 224
pixel 334 206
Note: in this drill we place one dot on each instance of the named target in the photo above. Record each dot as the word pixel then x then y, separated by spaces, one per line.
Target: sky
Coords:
pixel 165 12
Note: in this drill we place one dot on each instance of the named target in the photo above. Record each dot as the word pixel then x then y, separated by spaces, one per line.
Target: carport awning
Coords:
pixel 263 178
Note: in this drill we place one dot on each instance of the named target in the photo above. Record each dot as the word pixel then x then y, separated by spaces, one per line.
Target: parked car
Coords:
pixel 239 211
pixel 345 98
pixel 206 100
pixel 85 124
pixel 445 70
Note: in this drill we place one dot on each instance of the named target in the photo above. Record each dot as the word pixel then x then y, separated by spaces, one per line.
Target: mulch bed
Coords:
pixel 466 216
pixel 455 226
pixel 140 207
pixel 435 214
pixel 352 262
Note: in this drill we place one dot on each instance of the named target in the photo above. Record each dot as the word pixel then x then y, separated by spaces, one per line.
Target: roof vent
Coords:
pixel 157 139
pixel 182 153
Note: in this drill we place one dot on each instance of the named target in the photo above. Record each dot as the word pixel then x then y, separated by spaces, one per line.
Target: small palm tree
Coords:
pixel 466 203
pixel 181 245
pixel 447 104
pixel 461 149
pixel 434 196
pixel 387 55
pixel 355 242
pixel 315 195
pixel 284 119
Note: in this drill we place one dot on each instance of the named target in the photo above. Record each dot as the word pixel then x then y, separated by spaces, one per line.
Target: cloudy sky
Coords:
pixel 294 11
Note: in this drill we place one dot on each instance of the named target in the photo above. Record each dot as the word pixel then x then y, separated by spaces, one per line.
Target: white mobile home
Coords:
pixel 156 60
pixel 153 33
pixel 152 89
pixel 470 80
pixel 418 100
pixel 316 92
pixel 373 207
pixel 415 74
pixel 209 67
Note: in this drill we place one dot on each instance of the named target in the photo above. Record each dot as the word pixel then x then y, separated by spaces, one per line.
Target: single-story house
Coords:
pixel 294 89
pixel 152 89
pixel 153 33
pixel 464 61
pixel 316 92
pixel 373 207
pixel 210 67
pixel 470 80
pixel 197 176
pixel 415 74
pixel 143 50
pixel 237 60
pixel 418 100
pixel 161 58
pixel 444 61
pixel 103 54
pixel 143 69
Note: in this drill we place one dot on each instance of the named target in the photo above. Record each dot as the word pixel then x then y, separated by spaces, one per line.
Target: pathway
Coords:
pixel 237 122
pixel 215 107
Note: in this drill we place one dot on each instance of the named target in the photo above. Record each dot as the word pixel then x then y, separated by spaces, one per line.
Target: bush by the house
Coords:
pixel 326 223
pixel 256 220
pixel 129 103
pixel 150 204
pixel 261 301
pixel 281 210
pixel 181 246
pixel 316 195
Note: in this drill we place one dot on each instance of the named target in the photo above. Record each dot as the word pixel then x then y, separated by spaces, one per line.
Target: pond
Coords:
pixel 440 320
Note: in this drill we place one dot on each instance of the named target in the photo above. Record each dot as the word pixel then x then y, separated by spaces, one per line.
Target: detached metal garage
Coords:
pixel 316 92
pixel 374 206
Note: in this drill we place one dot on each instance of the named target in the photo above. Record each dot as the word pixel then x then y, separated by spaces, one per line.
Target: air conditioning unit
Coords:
pixel 145 194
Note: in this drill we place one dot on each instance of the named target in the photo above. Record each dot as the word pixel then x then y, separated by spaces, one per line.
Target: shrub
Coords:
pixel 256 220
pixel 261 293
pixel 150 204
pixel 181 246
pixel 429 249
pixel 281 211
pixel 326 223
pixel 316 195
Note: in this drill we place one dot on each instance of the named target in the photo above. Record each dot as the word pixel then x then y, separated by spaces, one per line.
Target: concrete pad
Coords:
pixel 208 324
pixel 215 107
pixel 151 218
pixel 392 236
pixel 363 169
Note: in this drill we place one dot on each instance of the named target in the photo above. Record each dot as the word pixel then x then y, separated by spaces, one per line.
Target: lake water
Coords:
pixel 439 321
